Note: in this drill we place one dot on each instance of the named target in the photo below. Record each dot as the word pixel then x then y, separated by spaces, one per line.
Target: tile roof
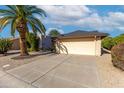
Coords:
pixel 80 33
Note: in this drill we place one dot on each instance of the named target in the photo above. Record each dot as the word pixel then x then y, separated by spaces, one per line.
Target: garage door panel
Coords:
pixel 80 47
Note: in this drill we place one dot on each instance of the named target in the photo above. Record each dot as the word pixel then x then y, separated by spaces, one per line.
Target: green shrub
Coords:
pixel 28 45
pixel 108 43
pixel 32 42
pixel 119 39
pixel 5 45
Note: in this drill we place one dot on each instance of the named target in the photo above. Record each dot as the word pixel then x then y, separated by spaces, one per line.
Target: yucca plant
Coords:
pixel 21 17
pixel 5 45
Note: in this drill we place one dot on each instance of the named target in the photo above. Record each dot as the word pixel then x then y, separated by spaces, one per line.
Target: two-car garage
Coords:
pixel 80 42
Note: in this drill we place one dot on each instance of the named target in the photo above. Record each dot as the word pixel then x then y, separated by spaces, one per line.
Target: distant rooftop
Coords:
pixel 80 33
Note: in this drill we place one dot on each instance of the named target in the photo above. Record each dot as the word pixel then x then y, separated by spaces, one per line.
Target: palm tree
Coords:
pixel 20 18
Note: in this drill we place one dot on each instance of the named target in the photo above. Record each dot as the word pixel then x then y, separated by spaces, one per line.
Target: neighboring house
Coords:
pixel 46 42
pixel 80 42
pixel 15 45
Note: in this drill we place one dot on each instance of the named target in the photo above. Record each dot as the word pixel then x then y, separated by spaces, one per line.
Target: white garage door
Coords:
pixel 78 47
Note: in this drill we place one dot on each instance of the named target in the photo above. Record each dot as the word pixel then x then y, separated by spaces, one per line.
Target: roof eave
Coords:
pixel 70 37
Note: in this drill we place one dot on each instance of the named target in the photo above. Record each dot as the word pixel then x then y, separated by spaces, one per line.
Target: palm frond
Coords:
pixel 13 27
pixel 16 13
pixel 4 21
pixel 38 23
pixel 12 7
pixel 4 25
pixel 39 11
pixel 34 27
pixel 2 11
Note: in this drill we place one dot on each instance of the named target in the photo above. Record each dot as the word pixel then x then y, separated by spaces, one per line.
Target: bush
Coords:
pixel 32 42
pixel 117 54
pixel 108 43
pixel 5 45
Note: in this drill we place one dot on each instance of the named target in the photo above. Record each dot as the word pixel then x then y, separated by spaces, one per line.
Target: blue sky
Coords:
pixel 103 18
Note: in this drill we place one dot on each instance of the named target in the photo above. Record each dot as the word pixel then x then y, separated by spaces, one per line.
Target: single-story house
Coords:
pixel 15 45
pixel 80 42
pixel 46 42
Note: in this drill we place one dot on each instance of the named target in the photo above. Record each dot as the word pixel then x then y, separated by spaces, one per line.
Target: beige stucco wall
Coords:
pixel 82 46
pixel 98 46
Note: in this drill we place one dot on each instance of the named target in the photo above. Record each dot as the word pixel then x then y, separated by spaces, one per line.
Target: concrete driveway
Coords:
pixel 64 71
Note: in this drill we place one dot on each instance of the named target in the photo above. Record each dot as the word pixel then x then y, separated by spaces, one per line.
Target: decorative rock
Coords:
pixel 117 54
pixel 5 66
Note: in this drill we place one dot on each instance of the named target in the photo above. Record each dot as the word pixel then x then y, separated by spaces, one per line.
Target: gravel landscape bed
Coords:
pixel 111 77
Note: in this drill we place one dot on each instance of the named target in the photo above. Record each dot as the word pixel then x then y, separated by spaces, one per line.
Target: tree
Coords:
pixel 119 39
pixel 108 43
pixel 54 33
pixel 21 17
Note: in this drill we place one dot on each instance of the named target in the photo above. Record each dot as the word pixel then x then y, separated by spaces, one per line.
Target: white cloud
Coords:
pixel 67 11
pixel 114 20
pixel 82 16
pixel 121 28
pixel 116 16
pixel 65 15
pixel 94 20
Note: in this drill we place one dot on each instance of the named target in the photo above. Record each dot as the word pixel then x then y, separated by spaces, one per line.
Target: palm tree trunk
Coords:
pixel 23 46
pixel 22 29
